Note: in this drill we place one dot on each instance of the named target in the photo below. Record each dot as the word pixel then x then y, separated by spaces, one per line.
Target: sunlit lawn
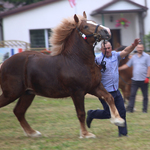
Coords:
pixel 56 120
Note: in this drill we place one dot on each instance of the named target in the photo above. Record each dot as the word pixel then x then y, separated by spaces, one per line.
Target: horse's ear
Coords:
pixel 84 15
pixel 76 18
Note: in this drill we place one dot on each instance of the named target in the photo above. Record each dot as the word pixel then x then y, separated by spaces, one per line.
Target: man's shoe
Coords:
pixel 144 111
pixel 88 119
pixel 121 135
pixel 129 110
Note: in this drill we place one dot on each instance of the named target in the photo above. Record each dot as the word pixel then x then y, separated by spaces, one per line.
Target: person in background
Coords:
pixel 110 80
pixel 140 79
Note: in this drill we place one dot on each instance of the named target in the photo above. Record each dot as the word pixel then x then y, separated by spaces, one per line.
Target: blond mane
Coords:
pixel 61 32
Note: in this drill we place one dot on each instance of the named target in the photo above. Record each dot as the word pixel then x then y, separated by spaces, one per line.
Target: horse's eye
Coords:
pixel 85 27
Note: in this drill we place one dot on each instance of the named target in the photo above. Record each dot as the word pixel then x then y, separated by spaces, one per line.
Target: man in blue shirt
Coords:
pixel 140 79
pixel 110 80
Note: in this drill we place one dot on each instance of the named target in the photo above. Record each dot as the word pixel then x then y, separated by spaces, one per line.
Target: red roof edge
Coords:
pixel 26 7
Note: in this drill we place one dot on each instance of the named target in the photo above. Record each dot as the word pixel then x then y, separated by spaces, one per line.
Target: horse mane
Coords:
pixel 121 48
pixel 62 32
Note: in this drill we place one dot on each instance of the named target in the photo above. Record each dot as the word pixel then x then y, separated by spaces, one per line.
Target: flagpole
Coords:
pixel 73 4
pixel 75 9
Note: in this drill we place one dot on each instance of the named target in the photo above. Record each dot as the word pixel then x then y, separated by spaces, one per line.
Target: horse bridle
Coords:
pixel 97 37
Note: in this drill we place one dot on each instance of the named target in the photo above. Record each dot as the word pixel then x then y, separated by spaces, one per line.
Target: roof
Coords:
pixel 26 8
pixel 118 6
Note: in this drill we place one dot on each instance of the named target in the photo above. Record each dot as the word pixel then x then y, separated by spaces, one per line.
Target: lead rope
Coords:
pixel 103 63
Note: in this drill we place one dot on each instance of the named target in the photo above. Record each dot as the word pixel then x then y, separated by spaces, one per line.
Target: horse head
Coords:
pixel 78 24
pixel 91 31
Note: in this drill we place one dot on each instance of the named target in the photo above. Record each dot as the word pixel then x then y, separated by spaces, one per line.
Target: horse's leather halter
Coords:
pixel 97 37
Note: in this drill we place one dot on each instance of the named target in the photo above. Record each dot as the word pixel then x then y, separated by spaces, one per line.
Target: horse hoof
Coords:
pixel 89 135
pixel 118 122
pixel 36 134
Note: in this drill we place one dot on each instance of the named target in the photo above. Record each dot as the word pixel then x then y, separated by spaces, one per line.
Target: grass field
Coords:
pixel 56 120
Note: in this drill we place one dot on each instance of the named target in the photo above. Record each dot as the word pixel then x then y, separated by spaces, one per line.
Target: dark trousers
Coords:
pixel 134 87
pixel 105 114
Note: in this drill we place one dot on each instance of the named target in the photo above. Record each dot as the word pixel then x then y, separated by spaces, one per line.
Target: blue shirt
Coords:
pixel 140 66
pixel 110 78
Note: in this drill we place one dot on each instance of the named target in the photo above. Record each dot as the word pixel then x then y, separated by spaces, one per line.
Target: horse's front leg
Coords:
pixel 101 92
pixel 78 99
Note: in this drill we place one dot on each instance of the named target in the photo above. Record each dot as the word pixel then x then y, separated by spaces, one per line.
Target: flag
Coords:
pixel 72 3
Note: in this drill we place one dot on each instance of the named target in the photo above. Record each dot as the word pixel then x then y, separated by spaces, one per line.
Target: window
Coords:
pixel 40 38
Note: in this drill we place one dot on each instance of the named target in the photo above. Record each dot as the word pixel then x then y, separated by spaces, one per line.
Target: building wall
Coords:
pixel 1 33
pixel 129 33
pixel 16 27
pixel 147 17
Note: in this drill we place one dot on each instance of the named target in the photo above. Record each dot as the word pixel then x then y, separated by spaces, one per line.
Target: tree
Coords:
pixel 147 41
pixel 25 2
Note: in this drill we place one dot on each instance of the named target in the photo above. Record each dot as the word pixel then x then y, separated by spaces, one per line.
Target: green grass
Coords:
pixel 56 120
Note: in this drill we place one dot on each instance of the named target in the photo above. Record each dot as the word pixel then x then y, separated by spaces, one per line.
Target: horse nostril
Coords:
pixel 105 31
pixel 105 34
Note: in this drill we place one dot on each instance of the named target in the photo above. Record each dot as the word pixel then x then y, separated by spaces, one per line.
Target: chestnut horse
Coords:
pixel 125 76
pixel 69 71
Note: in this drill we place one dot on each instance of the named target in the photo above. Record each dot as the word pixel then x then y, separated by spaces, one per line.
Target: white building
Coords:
pixel 33 23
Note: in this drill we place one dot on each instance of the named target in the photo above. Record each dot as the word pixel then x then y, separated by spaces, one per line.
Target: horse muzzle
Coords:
pixel 105 34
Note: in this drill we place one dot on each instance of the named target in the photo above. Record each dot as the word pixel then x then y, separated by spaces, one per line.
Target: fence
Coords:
pixel 11 47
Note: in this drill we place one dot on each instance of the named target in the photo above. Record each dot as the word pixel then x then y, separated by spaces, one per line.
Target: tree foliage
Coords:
pixel 25 2
pixel 147 41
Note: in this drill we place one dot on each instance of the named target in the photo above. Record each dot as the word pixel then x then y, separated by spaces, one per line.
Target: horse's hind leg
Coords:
pixel 78 100
pixel 20 109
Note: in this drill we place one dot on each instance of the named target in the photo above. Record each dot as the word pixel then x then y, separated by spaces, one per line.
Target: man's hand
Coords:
pixel 136 42
pixel 146 80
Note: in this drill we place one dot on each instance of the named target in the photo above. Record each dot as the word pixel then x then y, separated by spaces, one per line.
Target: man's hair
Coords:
pixel 141 44
pixel 104 42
